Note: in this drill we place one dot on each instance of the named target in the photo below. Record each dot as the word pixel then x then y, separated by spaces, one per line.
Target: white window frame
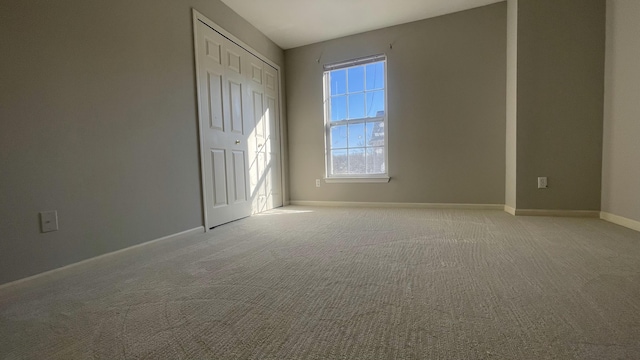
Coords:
pixel 354 178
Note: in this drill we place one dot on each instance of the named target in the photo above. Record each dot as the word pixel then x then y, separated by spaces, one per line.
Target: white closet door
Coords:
pixel 238 105
pixel 264 144
pixel 225 132
pixel 271 148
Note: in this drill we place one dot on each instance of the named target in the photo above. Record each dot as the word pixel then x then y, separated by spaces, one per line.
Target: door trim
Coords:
pixel 199 17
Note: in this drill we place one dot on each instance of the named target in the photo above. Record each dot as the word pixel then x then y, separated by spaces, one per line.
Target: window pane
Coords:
pixel 356 106
pixel 375 76
pixel 356 79
pixel 375 133
pixel 356 135
pixel 338 108
pixel 357 161
pixel 375 103
pixel 339 161
pixel 339 136
pixel 375 160
pixel 338 82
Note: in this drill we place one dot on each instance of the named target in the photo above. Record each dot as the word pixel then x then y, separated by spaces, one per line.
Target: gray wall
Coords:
pixel 446 108
pixel 621 156
pixel 512 104
pixel 98 121
pixel 560 103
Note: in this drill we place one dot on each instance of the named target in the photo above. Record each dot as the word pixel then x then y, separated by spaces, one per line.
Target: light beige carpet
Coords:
pixel 322 283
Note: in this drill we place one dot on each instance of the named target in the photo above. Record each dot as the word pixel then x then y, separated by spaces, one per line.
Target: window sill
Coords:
pixel 338 180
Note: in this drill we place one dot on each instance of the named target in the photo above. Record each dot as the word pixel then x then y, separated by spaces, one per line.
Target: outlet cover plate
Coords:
pixel 542 182
pixel 49 221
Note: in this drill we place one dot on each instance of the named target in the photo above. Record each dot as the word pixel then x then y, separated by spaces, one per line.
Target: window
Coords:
pixel 356 119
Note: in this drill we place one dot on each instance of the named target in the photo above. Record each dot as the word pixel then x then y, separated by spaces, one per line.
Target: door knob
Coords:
pixel 237 141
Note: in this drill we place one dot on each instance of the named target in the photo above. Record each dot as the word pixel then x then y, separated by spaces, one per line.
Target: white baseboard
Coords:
pixel 194 231
pixel 510 210
pixel 620 220
pixel 398 205
pixel 558 213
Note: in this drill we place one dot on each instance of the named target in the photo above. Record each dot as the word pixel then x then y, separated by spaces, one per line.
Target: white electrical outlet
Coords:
pixel 542 182
pixel 317 182
pixel 49 221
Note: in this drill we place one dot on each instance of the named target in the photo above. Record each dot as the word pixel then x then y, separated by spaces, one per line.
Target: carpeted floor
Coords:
pixel 340 283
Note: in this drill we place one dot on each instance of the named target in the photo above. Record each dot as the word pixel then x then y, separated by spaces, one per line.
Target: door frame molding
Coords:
pixel 199 17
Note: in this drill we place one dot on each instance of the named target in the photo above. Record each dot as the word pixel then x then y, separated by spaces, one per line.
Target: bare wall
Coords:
pixel 446 108
pixel 98 121
pixel 621 155
pixel 560 103
pixel 512 103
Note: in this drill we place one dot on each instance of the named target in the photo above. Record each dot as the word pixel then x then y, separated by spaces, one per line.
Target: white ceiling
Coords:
pixel 293 23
